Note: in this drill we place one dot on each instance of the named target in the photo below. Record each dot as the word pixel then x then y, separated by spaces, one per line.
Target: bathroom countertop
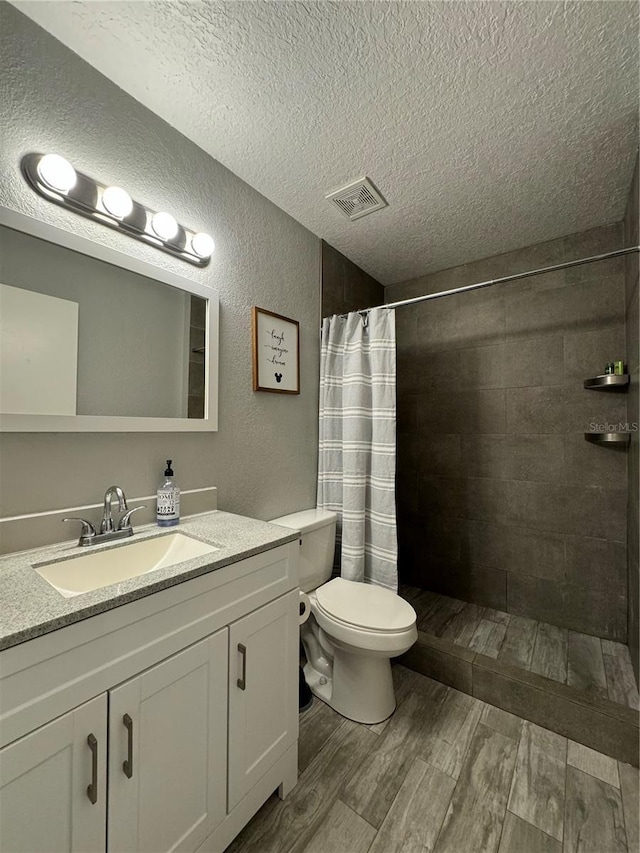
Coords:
pixel 30 607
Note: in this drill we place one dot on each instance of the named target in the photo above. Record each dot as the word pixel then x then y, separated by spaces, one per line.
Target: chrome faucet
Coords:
pixel 107 524
pixel 108 530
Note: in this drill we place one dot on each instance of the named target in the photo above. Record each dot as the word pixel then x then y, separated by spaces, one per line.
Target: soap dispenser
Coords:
pixel 168 511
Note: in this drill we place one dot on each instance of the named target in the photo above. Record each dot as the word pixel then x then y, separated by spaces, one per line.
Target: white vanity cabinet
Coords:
pixel 263 697
pixel 166 756
pixel 49 780
pixel 193 715
pixel 168 752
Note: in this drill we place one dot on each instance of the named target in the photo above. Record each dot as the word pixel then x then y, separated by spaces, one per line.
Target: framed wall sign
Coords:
pixel 276 352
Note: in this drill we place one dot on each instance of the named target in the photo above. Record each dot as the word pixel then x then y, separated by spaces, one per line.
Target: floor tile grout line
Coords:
pixel 544 832
pixel 475 627
pixel 627 703
pixel 588 772
pixel 535 640
pixel 512 783
pixel 504 637
pixel 444 817
pixel 337 729
pixel 346 781
pixel 613 788
pixel 504 820
pixel 351 809
pixel 623 810
pixel 455 787
pixel 566 774
pixel 566 661
pixel 397 794
pixel 606 677
pixel 437 769
pixel 348 778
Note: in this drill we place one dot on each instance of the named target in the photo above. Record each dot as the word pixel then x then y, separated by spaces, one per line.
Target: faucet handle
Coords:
pixel 88 530
pixel 125 521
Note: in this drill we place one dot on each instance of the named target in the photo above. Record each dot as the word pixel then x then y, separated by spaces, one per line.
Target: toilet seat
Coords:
pixel 364 607
pixel 357 603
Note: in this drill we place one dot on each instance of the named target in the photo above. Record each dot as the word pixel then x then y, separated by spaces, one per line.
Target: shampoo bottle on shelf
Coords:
pixel 168 511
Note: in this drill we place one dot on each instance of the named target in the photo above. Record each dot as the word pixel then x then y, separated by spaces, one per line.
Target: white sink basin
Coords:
pixel 103 568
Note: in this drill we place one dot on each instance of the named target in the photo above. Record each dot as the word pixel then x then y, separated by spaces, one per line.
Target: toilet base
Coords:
pixel 360 687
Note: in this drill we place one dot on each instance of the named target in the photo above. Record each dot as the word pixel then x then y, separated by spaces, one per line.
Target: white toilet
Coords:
pixel 354 629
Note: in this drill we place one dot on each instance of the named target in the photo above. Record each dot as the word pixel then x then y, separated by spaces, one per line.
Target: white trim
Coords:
pixel 82 508
pixel 100 423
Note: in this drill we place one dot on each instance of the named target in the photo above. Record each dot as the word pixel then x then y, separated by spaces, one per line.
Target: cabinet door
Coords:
pixel 168 752
pixel 53 785
pixel 263 691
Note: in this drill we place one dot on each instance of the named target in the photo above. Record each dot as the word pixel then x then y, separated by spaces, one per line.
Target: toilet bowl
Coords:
pixel 354 628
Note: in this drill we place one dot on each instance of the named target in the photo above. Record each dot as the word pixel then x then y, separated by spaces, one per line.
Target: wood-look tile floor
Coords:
pixel 600 666
pixel 446 773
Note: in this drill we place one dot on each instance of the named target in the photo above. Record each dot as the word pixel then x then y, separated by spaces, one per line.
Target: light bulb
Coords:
pixel 117 202
pixel 202 245
pixel 57 172
pixel 164 225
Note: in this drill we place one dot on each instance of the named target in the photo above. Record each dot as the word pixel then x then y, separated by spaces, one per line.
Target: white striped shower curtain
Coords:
pixel 357 451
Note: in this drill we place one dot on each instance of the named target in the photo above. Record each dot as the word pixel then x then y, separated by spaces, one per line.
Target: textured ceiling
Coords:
pixel 487 126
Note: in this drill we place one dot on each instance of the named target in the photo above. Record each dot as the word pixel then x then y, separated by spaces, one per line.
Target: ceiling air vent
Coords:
pixel 357 199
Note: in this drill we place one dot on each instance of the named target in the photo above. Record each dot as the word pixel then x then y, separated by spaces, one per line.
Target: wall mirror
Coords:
pixel 94 340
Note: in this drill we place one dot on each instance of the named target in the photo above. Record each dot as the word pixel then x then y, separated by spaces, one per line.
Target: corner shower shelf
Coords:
pixel 607 380
pixel 618 438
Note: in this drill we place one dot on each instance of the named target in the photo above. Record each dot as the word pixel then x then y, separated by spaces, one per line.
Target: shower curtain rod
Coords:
pixel 504 279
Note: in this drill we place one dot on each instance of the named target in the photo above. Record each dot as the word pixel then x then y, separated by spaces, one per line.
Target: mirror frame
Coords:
pixel 105 423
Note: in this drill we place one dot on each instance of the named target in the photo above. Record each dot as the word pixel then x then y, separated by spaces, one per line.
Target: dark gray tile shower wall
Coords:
pixel 501 501
pixel 346 287
pixel 632 266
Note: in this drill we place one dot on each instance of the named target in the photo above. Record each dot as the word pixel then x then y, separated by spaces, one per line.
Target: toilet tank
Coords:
pixel 318 535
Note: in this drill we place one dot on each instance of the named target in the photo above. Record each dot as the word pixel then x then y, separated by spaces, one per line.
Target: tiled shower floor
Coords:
pixel 599 666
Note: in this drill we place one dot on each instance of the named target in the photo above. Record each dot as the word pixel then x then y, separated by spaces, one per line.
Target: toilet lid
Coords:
pixel 365 605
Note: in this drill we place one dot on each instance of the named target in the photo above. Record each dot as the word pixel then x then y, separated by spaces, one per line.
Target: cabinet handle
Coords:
pixel 92 789
pixel 127 765
pixel 242 681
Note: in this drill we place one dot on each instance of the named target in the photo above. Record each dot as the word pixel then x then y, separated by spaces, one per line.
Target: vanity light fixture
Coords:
pixel 57 173
pixel 164 225
pixel 202 244
pixel 55 179
pixel 117 202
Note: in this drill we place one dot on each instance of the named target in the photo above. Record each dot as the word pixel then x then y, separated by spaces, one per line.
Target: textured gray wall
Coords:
pixel 263 459
pixel 632 267
pixel 346 287
pixel 501 500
